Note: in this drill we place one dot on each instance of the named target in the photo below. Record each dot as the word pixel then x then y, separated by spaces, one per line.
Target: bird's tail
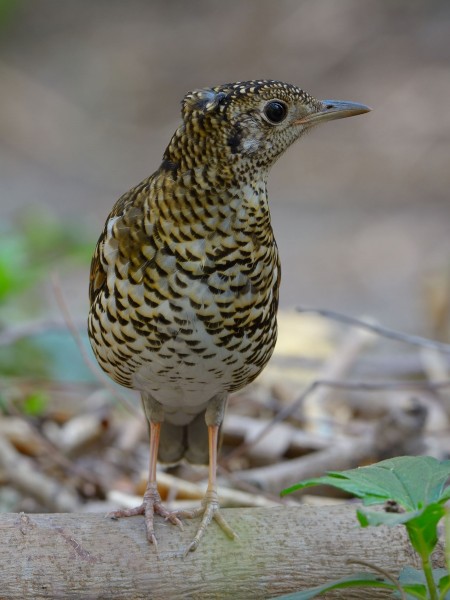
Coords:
pixel 184 441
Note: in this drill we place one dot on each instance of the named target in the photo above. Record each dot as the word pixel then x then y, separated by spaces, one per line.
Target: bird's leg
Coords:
pixel 209 509
pixel 151 503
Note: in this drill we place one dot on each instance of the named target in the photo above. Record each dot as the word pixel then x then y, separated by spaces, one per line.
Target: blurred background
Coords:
pixel 90 94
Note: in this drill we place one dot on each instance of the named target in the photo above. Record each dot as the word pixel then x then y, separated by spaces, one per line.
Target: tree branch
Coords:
pixel 279 550
pixel 387 332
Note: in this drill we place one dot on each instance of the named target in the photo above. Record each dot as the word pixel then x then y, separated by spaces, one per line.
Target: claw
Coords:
pixel 173 518
pixel 208 511
pixel 150 506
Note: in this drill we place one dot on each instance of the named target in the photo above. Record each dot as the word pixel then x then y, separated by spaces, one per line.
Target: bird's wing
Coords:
pixel 97 278
pixel 123 228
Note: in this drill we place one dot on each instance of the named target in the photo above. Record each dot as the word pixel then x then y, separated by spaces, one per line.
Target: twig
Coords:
pixel 24 476
pixel 366 386
pixel 399 432
pixel 248 487
pixel 339 456
pixel 229 497
pixel 335 368
pixel 26 430
pixel 435 367
pixel 242 428
pixel 84 355
pixel 392 334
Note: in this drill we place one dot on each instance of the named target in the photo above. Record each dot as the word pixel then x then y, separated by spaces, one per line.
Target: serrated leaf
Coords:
pixel 411 481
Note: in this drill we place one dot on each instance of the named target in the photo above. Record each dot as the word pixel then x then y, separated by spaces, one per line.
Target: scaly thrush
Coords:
pixel 185 276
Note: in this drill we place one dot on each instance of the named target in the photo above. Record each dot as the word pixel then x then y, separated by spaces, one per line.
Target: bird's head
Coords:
pixel 251 122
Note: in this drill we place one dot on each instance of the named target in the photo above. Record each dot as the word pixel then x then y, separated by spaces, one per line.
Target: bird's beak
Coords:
pixel 331 110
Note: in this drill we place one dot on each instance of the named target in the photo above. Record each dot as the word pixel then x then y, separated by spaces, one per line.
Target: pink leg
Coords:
pixel 151 503
pixel 209 509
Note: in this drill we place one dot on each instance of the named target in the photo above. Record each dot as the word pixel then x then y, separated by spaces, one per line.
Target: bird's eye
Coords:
pixel 275 111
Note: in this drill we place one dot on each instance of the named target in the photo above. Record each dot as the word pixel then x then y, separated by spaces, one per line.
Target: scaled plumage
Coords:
pixel 185 276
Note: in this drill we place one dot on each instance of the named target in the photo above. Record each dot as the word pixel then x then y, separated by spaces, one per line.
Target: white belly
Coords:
pixel 182 381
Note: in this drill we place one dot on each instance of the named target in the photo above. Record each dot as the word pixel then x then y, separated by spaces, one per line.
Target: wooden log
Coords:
pixel 279 550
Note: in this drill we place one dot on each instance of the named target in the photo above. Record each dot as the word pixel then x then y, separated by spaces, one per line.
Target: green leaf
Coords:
pixel 444 587
pixel 425 517
pixel 373 518
pixel 412 576
pixel 37 243
pixel 344 481
pixel 35 404
pixel 445 494
pixel 421 524
pixel 447 539
pixel 411 481
pixel 422 529
pixel 412 581
pixel 15 274
pixel 371 580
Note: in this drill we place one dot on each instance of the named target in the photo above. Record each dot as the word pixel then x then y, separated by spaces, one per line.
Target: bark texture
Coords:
pixel 279 550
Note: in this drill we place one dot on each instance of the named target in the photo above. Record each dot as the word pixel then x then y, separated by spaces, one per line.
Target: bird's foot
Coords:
pixel 209 510
pixel 151 505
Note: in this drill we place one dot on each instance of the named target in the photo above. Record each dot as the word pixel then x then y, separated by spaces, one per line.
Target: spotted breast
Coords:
pixel 185 275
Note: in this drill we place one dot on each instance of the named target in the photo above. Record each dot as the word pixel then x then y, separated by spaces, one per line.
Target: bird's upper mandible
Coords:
pixel 249 122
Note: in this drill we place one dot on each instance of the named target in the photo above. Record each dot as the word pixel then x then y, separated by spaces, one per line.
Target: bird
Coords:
pixel 185 277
